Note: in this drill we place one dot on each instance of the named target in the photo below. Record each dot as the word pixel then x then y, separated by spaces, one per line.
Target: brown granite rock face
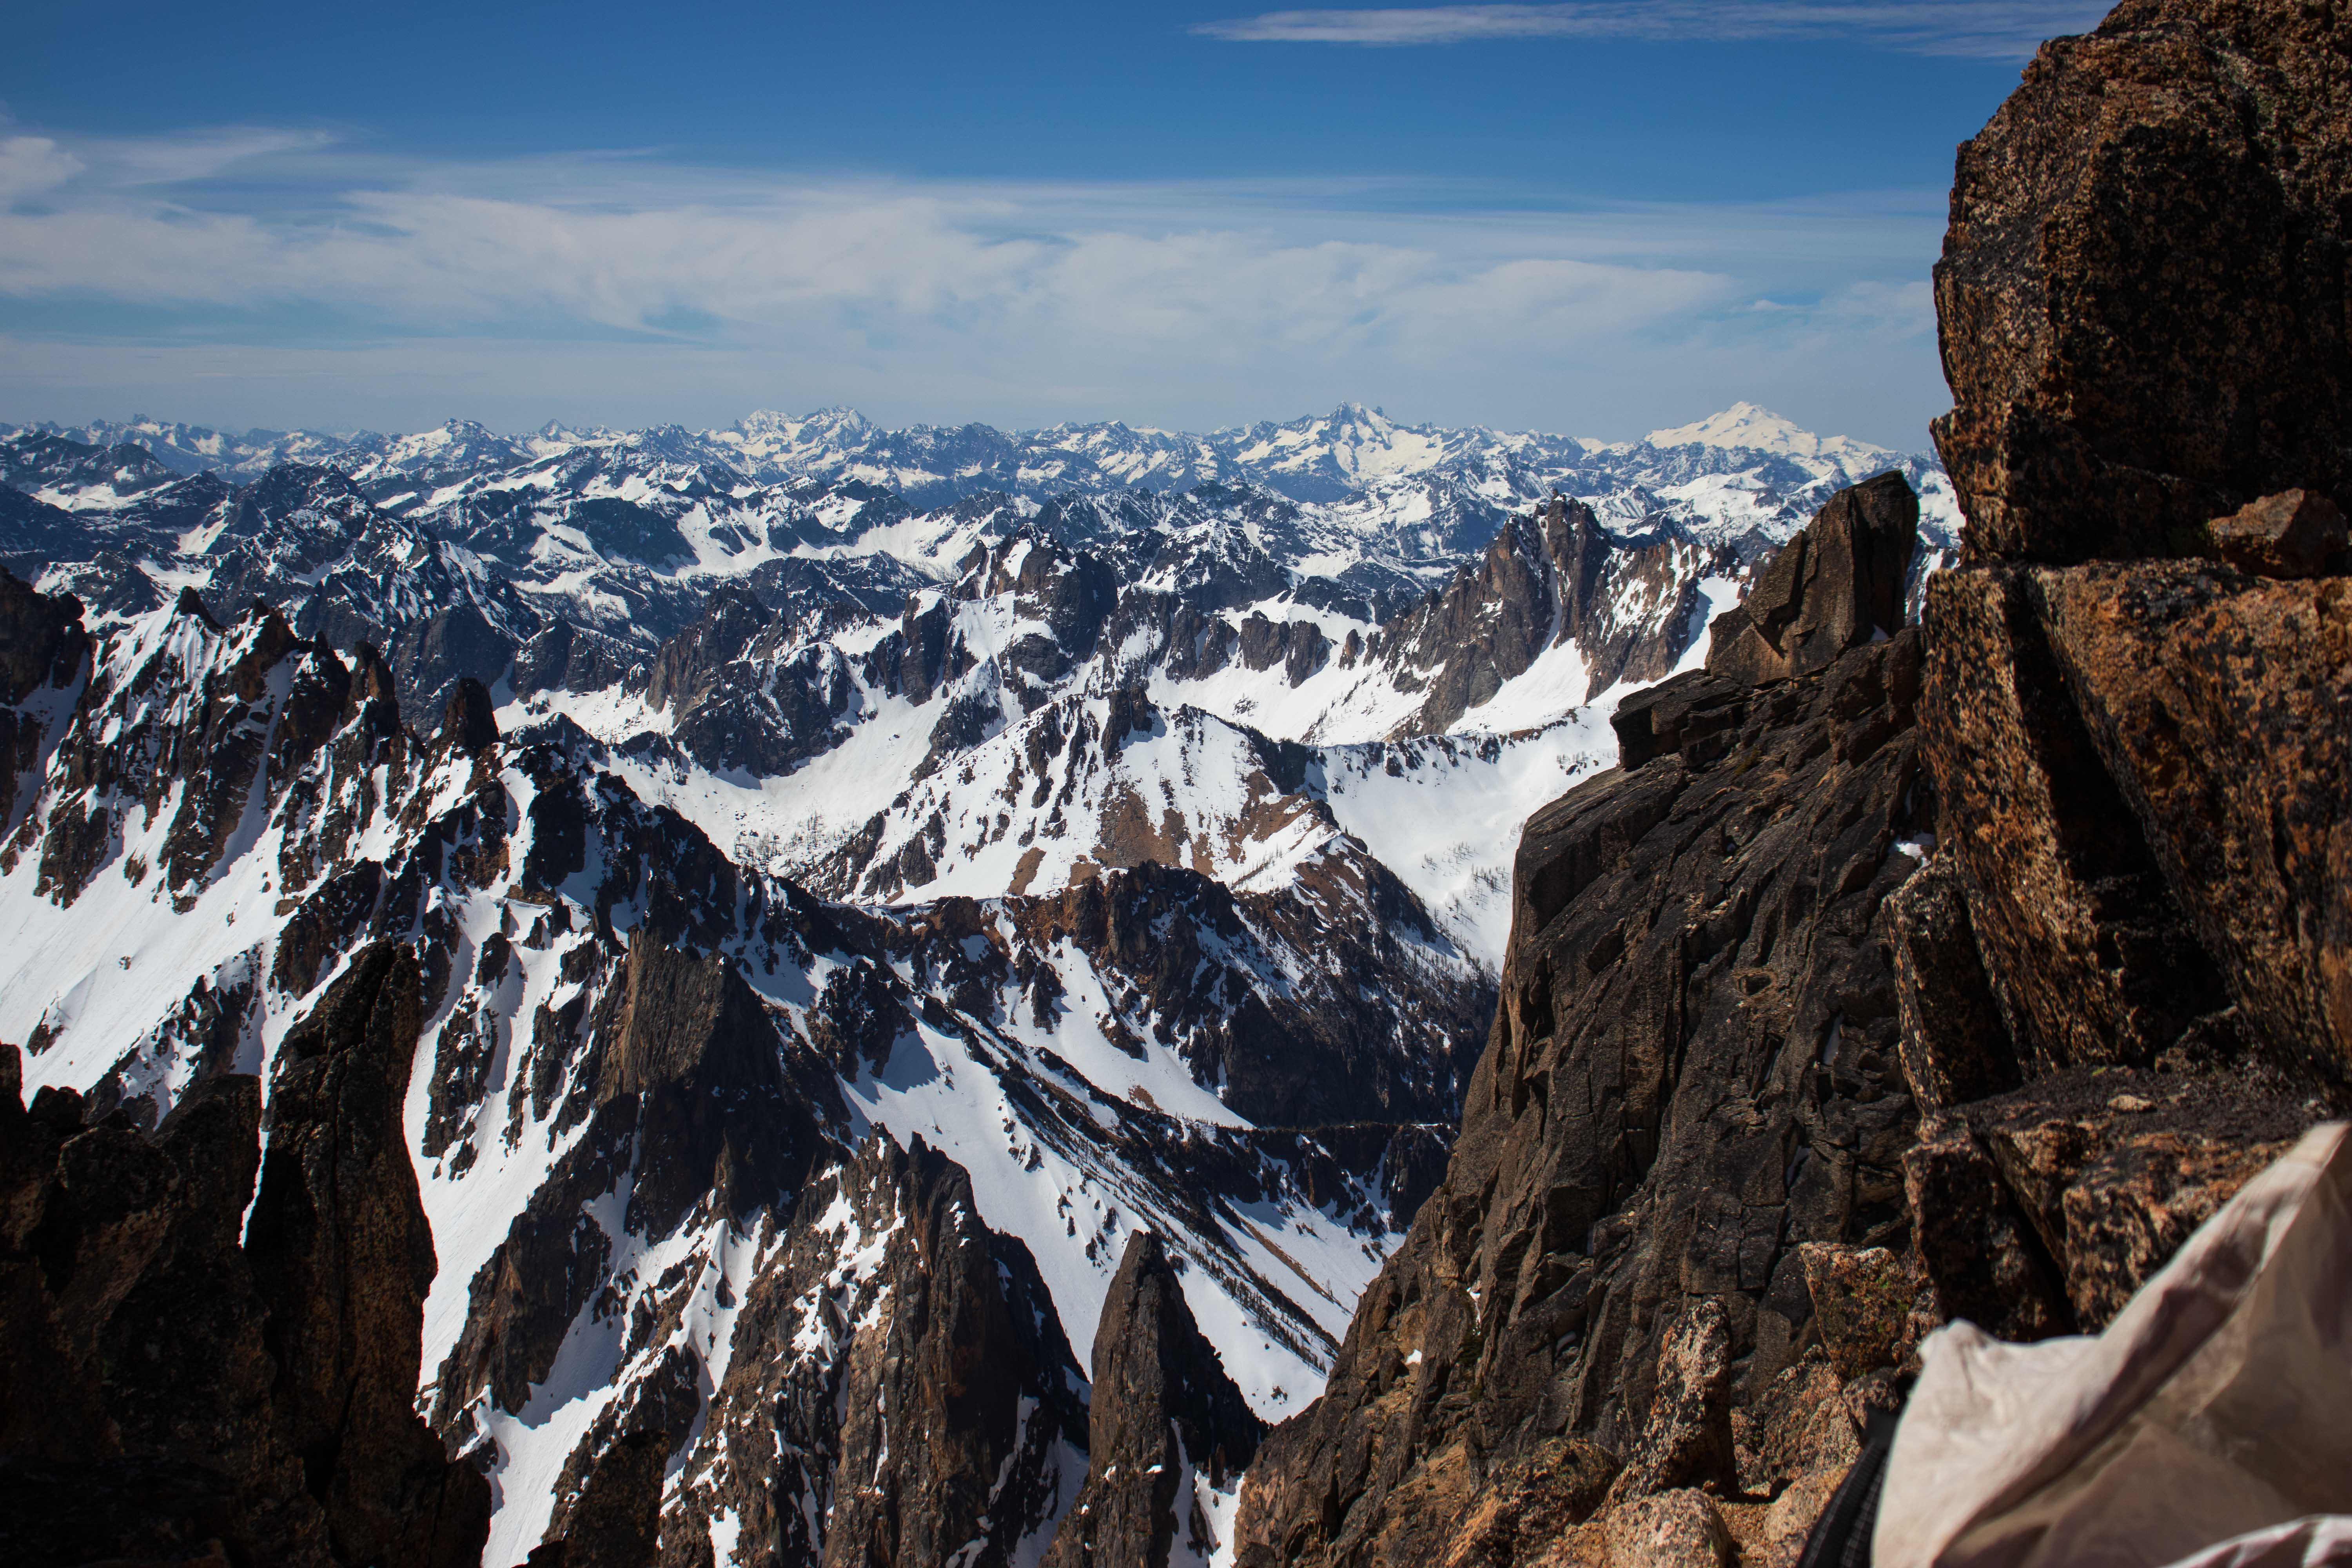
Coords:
pixel 1678 1529
pixel 2089 957
pixel 1974 1246
pixel 689 664
pixel 1694 1071
pixel 1830 588
pixel 2295 534
pixel 1686 1440
pixel 1163 1415
pixel 342 1256
pixel 1529 1504
pixel 2222 706
pixel 2142 300
pixel 2114 1169
pixel 2139 771
pixel 1956 1046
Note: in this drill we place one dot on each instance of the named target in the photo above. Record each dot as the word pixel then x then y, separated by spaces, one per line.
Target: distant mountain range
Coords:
pixel 1317 459
pixel 1160 789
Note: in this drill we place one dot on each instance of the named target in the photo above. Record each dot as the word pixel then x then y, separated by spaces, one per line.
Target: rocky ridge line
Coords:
pixel 1763 1105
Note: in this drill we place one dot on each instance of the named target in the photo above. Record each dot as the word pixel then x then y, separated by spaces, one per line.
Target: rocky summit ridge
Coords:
pixel 1905 973
pixel 601 999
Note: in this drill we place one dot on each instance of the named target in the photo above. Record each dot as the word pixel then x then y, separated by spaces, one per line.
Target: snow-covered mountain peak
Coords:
pixel 1745 427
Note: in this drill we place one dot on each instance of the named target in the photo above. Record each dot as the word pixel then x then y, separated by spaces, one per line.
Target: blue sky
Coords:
pixel 1593 217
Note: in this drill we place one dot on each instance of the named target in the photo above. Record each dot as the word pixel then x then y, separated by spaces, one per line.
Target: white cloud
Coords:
pixel 31 164
pixel 1181 303
pixel 1890 309
pixel 1995 29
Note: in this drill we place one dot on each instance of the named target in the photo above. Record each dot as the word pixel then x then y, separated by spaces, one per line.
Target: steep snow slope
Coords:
pixel 228 811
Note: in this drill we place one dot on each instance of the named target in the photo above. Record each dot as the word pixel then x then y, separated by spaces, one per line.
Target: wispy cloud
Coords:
pixel 1018 302
pixel 30 165
pixel 1988 28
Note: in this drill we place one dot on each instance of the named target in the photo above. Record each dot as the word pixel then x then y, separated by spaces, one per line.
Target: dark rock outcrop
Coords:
pixel 1318 1053
pixel 2142 300
pixel 766 716
pixel 2150 919
pixel 1163 1416
pixel 1695 1072
pixel 2222 707
pixel 2138 765
pixel 133 1350
pixel 1546 580
pixel 688 1103
pixel 41 640
pixel 242 712
pixel 690 662
pixel 616 1521
pixel 435 658
pixel 470 721
pixel 343 1258
pixel 42 647
pixel 692 1049
pixel 33 533
pixel 901 1391
pixel 1689 714
pixel 2090 958
pixel 1696 1216
pixel 562 658
pixel 1832 587
pixel 2295 534
pixel 1956 1047
pixel 167 1389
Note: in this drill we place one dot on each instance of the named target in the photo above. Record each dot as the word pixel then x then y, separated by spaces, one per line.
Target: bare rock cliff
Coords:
pixel 1693 1085
pixel 1165 1416
pixel 900 1390
pixel 2142 295
pixel 1958 974
pixel 1833 588
pixel 170 1389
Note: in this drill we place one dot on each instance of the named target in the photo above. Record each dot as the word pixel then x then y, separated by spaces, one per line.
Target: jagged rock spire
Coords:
pixel 1165 1418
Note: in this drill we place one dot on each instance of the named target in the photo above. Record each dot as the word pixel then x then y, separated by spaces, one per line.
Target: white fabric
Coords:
pixel 2217 1407
pixel 2322 1539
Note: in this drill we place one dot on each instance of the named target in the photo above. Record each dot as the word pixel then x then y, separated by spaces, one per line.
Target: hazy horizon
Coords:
pixel 353 431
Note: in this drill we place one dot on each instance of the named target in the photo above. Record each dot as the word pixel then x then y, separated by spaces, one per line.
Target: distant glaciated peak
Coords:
pixel 1745 426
